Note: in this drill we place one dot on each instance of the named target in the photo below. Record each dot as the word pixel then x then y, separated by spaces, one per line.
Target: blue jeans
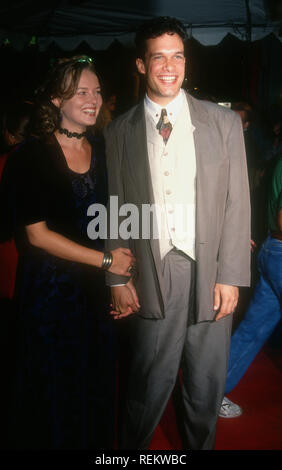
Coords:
pixel 262 316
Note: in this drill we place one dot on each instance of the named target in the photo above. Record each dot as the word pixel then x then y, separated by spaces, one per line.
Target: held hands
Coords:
pixel 225 300
pixel 123 259
pixel 124 301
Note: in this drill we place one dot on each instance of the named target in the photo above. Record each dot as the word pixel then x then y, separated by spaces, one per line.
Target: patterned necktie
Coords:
pixel 164 126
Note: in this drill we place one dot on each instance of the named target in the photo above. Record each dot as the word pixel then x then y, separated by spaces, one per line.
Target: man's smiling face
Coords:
pixel 163 67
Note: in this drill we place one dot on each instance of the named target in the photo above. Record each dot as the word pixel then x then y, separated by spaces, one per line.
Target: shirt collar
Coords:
pixel 172 108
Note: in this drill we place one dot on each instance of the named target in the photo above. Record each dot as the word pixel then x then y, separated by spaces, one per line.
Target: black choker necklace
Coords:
pixel 72 134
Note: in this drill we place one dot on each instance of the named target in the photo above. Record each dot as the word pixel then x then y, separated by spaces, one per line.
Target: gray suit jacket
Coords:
pixel 222 203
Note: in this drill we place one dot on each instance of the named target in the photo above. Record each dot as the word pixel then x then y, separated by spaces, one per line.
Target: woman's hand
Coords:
pixel 123 259
pixel 124 301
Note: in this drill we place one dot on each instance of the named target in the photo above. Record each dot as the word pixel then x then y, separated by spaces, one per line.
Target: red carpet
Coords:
pixel 259 428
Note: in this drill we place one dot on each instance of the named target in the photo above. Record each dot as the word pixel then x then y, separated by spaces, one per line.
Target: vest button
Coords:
pixel 166 173
pixel 168 192
pixel 165 154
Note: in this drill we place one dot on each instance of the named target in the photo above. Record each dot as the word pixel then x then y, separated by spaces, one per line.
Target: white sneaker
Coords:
pixel 229 409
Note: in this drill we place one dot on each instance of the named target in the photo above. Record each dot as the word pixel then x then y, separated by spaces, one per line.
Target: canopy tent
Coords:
pixel 100 22
pixel 231 68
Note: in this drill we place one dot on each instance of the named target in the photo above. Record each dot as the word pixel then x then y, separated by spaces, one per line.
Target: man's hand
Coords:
pixel 124 301
pixel 123 259
pixel 225 300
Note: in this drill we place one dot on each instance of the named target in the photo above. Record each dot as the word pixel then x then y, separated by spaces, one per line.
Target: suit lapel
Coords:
pixel 199 119
pixel 138 160
pixel 204 150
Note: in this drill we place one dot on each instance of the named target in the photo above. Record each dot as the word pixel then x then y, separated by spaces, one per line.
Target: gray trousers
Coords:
pixel 157 349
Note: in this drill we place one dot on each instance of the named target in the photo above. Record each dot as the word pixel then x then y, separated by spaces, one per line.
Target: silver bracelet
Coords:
pixel 107 260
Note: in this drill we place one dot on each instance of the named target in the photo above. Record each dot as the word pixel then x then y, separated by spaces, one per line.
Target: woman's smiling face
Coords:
pixel 82 109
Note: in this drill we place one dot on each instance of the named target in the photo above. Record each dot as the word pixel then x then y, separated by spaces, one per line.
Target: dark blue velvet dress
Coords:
pixel 64 391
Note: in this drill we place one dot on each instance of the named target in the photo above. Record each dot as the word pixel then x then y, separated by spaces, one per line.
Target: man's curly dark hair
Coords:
pixel 157 27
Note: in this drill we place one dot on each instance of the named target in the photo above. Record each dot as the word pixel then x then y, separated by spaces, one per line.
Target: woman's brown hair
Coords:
pixel 62 83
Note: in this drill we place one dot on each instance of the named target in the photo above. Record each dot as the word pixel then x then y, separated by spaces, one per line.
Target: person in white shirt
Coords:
pixel 178 154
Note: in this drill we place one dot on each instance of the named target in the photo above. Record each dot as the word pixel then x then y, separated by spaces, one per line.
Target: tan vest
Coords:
pixel 173 173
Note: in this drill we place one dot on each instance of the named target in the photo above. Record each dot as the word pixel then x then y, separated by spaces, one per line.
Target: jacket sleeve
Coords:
pixel 114 158
pixel 234 249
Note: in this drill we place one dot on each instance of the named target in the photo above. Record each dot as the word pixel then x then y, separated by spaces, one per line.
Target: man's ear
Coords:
pixel 57 102
pixel 140 66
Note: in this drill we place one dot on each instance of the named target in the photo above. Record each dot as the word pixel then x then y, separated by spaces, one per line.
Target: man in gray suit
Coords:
pixel 174 151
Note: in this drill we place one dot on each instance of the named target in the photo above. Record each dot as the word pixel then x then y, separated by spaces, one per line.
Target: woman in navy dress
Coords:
pixel 64 393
